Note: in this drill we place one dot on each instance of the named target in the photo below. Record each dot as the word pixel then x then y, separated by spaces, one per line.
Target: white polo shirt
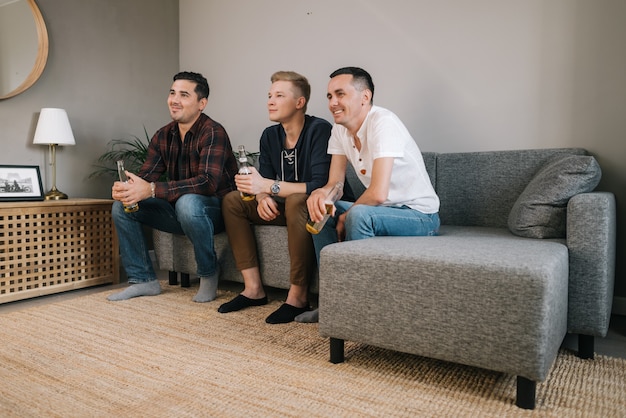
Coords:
pixel 384 135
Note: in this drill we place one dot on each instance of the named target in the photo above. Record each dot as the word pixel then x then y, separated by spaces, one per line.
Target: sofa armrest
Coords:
pixel 591 240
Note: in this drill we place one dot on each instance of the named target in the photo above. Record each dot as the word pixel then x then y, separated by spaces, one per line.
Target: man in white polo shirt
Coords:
pixel 399 199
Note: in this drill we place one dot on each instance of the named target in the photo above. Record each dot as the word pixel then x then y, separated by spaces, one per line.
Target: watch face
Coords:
pixel 275 188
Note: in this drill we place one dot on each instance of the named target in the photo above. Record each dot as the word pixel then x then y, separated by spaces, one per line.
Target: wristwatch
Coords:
pixel 275 189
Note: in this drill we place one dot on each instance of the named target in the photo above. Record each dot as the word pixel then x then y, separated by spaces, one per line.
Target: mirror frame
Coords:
pixel 42 52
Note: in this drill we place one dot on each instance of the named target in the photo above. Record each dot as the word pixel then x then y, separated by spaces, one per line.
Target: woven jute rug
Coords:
pixel 166 356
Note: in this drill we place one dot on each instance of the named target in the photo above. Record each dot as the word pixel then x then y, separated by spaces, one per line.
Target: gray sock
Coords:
pixel 208 288
pixel 150 288
pixel 308 316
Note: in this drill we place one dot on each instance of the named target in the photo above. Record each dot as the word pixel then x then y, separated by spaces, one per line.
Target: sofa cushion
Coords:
pixel 480 188
pixel 540 210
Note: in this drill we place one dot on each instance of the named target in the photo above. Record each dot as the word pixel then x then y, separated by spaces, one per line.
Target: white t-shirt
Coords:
pixel 384 135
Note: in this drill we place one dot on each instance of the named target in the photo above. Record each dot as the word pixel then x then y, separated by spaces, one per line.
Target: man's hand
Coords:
pixel 131 192
pixel 267 208
pixel 316 204
pixel 252 183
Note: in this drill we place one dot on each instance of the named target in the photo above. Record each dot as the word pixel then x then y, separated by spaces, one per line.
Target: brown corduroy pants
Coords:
pixel 239 218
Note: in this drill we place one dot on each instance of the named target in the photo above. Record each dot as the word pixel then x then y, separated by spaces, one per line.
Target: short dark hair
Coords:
pixel 202 86
pixel 361 79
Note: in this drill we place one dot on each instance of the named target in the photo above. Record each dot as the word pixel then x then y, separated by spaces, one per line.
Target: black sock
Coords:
pixel 240 302
pixel 286 313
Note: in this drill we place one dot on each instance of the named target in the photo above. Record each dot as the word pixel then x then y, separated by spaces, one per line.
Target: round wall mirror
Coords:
pixel 23 46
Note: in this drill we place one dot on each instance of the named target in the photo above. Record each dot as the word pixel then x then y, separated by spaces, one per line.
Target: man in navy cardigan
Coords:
pixel 293 162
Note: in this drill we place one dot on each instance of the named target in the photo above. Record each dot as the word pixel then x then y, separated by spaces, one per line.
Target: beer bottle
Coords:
pixel 121 171
pixel 334 195
pixel 244 168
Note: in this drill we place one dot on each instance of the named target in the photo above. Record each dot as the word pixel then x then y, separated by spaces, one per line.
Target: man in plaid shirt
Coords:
pixel 195 153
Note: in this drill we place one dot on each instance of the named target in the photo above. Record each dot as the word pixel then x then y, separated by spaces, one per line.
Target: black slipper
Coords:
pixel 240 302
pixel 286 313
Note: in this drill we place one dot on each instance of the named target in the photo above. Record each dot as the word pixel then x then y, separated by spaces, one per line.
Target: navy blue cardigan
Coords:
pixel 313 161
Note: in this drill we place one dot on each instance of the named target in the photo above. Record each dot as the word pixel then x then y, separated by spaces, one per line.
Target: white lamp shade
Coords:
pixel 54 127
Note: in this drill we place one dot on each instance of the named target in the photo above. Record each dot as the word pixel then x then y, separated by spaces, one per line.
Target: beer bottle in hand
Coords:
pixel 121 171
pixel 334 195
pixel 244 168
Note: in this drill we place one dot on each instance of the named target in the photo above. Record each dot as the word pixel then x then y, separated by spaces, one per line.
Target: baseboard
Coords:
pixel 619 305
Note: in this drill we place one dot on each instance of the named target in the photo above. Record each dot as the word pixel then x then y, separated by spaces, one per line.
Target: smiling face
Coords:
pixel 183 102
pixel 283 102
pixel 348 105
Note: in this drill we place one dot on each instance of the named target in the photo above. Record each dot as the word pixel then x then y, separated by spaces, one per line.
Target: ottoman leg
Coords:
pixel 336 350
pixel 526 389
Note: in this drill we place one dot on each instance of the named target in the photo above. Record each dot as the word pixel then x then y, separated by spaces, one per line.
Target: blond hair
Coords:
pixel 301 85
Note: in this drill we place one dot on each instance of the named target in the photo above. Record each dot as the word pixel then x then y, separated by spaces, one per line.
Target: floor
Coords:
pixel 614 344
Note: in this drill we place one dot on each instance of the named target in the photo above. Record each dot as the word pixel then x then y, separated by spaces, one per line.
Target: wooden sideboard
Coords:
pixel 53 246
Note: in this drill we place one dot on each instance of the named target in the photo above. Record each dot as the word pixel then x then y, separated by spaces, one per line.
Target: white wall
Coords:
pixel 462 75
pixel 479 75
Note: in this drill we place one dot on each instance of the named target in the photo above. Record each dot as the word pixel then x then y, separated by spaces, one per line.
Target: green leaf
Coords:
pixel 133 151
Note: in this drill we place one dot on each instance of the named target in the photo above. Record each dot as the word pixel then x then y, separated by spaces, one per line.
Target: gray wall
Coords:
pixel 463 75
pixel 110 66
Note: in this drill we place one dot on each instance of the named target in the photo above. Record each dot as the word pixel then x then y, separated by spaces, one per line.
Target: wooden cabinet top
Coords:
pixel 53 203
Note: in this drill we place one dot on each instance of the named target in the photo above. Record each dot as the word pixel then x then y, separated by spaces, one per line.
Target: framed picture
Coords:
pixel 20 182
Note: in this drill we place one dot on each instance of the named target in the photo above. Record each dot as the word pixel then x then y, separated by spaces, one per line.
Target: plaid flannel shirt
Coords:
pixel 203 163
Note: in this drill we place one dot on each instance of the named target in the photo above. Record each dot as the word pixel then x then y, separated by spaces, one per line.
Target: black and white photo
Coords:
pixel 20 182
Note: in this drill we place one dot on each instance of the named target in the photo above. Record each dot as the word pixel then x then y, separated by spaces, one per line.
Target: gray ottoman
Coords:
pixel 475 296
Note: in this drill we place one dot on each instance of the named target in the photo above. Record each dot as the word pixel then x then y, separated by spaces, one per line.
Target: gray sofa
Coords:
pixel 487 292
pixel 479 294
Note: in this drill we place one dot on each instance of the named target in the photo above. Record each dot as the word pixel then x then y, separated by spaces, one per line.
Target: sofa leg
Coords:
pixel 585 346
pixel 526 389
pixel 336 350
pixel 173 276
pixel 184 280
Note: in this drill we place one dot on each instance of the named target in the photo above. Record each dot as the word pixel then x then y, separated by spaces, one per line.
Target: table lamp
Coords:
pixel 53 128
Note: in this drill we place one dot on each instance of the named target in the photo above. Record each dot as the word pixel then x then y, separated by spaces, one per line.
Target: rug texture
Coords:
pixel 166 356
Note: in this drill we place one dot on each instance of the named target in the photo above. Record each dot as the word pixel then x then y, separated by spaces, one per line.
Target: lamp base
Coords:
pixel 55 194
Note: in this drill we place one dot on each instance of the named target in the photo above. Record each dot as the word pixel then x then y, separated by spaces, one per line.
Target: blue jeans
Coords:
pixel 196 216
pixel 365 221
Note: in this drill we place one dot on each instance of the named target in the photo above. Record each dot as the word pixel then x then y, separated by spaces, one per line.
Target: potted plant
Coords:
pixel 133 151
